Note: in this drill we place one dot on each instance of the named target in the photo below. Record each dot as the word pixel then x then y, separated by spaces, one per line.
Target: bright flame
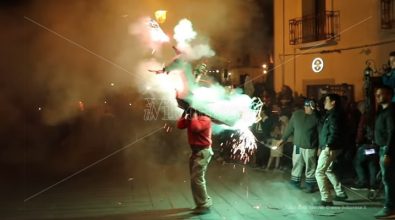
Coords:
pixel 160 16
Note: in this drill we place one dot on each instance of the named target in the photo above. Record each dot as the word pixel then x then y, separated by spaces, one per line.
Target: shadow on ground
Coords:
pixel 164 214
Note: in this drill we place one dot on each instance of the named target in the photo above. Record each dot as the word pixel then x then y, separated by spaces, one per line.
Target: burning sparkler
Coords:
pixel 242 144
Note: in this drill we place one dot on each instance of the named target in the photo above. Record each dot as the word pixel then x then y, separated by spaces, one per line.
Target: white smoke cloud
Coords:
pixel 199 51
pixel 149 33
pixel 184 34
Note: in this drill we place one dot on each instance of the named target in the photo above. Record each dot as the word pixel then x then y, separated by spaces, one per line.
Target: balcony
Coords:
pixel 387 14
pixel 314 28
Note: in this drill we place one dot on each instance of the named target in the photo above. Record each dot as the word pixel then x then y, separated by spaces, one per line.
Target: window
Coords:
pixel 316 27
pixel 387 14
pixel 316 23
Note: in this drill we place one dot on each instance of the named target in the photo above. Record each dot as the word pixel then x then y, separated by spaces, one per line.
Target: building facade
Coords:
pixel 345 36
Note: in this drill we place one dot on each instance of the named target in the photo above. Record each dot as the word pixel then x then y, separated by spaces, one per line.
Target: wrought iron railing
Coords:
pixel 315 28
pixel 387 14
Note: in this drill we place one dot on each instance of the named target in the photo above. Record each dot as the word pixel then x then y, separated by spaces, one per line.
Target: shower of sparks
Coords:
pixel 167 128
pixel 242 144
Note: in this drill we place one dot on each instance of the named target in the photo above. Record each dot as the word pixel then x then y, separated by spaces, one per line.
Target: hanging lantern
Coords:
pixel 160 16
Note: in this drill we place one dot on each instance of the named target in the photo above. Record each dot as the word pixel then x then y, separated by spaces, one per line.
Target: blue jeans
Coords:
pixel 388 178
pixel 372 162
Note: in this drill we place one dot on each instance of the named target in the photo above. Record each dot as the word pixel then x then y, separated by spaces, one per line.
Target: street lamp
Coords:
pixel 368 71
pixel 264 67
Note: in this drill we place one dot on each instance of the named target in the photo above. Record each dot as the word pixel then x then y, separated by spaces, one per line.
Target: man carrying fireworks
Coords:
pixel 198 127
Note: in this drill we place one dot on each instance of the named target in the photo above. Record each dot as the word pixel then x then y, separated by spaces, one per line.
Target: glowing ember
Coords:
pixel 81 105
pixel 160 16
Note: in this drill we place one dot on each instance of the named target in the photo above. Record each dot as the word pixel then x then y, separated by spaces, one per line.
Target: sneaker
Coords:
pixel 341 198
pixel 201 210
pixel 310 187
pixel 385 213
pixel 323 203
pixel 309 190
pixel 373 193
pixel 295 184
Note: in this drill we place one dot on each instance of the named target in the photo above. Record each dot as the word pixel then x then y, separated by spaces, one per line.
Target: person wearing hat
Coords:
pixel 303 126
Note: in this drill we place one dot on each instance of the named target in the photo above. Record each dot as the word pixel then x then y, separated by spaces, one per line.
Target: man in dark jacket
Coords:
pixel 389 77
pixel 199 137
pixel 304 128
pixel 384 135
pixel 330 140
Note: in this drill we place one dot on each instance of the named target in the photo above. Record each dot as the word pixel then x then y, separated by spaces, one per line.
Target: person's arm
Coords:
pixel 361 130
pixel 334 130
pixel 200 123
pixel 289 130
pixel 183 122
pixel 390 133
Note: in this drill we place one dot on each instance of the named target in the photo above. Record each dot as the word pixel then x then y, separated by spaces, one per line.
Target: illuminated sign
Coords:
pixel 317 65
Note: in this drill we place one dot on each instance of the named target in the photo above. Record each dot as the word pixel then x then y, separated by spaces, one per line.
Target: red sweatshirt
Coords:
pixel 199 130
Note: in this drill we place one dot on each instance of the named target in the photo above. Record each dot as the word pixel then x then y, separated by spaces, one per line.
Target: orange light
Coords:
pixel 160 16
pixel 81 106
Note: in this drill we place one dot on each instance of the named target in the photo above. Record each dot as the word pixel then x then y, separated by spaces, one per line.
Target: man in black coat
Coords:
pixel 384 136
pixel 331 145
